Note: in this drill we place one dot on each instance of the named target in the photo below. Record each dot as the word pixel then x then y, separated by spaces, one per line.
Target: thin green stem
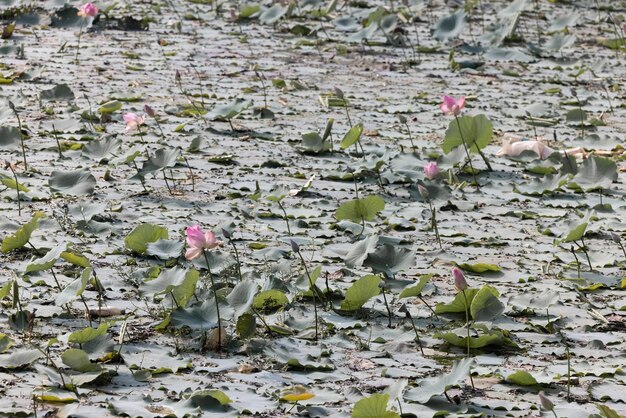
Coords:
pixel 237 258
pixel 417 336
pixel 313 290
pixel 141 179
pixel 433 222
pixel 217 305
pixel 167 184
pixel 80 33
pixel 410 137
pixel 469 158
pixel 17 189
pixel 285 216
pixel 573 250
pixel 569 369
pixel 387 306
pixel 193 178
pixel 428 306
pixel 19 125
pixel 467 321
pixel 56 138
pixel 584 248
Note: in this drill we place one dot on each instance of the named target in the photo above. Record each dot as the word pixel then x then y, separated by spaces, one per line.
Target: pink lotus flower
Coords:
pixel 199 241
pixel 431 171
pixel 459 279
pixel 452 106
pixel 133 122
pixel 87 10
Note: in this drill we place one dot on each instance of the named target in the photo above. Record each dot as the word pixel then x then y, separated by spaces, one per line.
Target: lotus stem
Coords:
pixel 217 305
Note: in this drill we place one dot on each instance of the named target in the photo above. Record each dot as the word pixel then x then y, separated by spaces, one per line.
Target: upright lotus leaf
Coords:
pixel 59 93
pixel 390 259
pixel 270 300
pixel 85 335
pixel 248 10
pixel 102 148
pixel 365 33
pixel 557 42
pixel 75 289
pixel 360 292
pixel 61 125
pixel 5 290
pixel 522 378
pixel 142 235
pixel 531 300
pixel 246 326
pixel 20 237
pixel 477 132
pixel 75 258
pixel 360 250
pixel 440 384
pixel 313 143
pixel 278 193
pixel 595 173
pixel 85 210
pixel 304 282
pixel 5 343
pixel 416 290
pixel 608 412
pixel 359 210
pixel 19 359
pixel 458 304
pixel 199 317
pixel 486 337
pixel 78 360
pixel 448 27
pixel 480 267
pixel 110 107
pixel 485 305
pixel 209 400
pixel 77 182
pixel 273 14
pixel 395 390
pixel 373 407
pixel 12 184
pixel 48 260
pixel 352 136
pixel 10 138
pixel 577 229
pixel 576 115
pixel 165 249
pixel 160 159
pixel 242 296
pixel 231 110
pixel 177 282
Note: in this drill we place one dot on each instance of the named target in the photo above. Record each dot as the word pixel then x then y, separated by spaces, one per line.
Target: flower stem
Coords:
pixel 17 189
pixel 584 248
pixel 469 158
pixel 237 258
pixel 467 321
pixel 285 216
pixel 217 305
pixel 19 124
pixel 389 314
pixel 80 33
pixel 433 221
pixel 313 290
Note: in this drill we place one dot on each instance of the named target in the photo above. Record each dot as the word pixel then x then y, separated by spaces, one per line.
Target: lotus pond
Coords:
pixel 316 208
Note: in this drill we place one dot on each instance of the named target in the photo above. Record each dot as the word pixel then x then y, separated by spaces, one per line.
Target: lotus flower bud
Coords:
pixel 459 279
pixel 545 402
